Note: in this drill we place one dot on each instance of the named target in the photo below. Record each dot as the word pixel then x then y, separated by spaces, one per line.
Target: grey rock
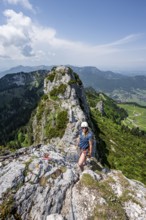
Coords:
pixel 10 176
pixel 55 217
pixel 57 191
pixel 100 107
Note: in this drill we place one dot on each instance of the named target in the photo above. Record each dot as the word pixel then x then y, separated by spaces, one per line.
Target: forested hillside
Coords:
pixel 118 147
pixel 19 95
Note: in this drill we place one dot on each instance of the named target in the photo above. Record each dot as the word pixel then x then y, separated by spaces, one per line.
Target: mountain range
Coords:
pixel 119 87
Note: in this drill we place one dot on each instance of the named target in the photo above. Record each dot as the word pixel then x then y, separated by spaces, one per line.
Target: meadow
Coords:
pixel 136 116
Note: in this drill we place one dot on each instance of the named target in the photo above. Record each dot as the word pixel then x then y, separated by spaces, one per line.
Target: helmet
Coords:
pixel 84 124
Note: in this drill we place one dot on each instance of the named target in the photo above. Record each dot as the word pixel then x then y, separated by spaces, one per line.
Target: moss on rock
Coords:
pixel 88 181
pixel 6 208
pixel 112 208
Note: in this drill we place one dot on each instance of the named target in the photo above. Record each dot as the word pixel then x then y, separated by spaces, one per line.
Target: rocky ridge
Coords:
pixel 63 104
pixel 43 182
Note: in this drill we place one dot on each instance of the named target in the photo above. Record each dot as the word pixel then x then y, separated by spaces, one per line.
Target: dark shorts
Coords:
pixel 84 151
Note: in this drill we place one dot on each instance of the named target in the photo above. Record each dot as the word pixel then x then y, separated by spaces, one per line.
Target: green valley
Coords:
pixel 135 95
pixel 136 116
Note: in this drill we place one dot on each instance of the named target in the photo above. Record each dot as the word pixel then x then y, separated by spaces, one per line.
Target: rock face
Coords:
pixel 36 187
pixel 100 107
pixel 43 182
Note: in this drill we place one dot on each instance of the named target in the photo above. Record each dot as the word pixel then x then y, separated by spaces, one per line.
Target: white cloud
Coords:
pixel 14 35
pixel 21 40
pixel 24 3
pixel 126 40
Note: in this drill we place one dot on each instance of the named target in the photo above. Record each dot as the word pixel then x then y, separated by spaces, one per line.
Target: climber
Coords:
pixel 84 142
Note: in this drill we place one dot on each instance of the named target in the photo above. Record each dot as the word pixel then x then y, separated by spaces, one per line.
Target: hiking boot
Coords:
pixel 78 169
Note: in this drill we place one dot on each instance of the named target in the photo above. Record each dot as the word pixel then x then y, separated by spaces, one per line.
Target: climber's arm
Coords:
pixel 78 141
pixel 90 147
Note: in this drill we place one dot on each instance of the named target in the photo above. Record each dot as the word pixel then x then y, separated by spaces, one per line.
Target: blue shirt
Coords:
pixel 84 140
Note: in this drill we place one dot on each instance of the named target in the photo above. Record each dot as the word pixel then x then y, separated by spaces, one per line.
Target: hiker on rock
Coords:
pixel 85 144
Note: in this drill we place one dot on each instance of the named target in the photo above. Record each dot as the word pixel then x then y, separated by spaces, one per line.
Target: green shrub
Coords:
pixel 51 132
pixel 45 97
pixel 3 150
pixel 72 81
pixel 13 145
pixel 58 90
pixel 53 68
pixel 40 111
pixel 51 76
pixel 70 69
pixel 21 137
pixel 60 122
pixel 77 78
pixel 63 73
pixel 24 136
pixel 6 208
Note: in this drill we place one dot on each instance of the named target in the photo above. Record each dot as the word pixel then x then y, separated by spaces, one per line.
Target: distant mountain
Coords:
pixel 119 87
pixel 82 71
pixel 134 72
pixel 105 81
pixel 108 81
pixel 25 69
pixel 93 72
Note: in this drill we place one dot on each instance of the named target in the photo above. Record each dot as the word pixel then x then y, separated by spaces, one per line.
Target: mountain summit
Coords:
pixel 42 182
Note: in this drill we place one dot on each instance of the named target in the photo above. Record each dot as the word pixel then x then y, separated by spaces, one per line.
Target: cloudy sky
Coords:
pixel 108 34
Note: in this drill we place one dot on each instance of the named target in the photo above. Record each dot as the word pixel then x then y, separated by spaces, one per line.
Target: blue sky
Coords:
pixel 108 34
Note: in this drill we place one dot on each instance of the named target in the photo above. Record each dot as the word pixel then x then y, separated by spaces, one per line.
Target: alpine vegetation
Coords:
pixel 42 180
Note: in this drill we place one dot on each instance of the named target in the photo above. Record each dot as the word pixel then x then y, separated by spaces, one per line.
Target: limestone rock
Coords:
pixel 100 107
pixel 55 217
pixel 11 175
pixel 37 188
pixel 43 181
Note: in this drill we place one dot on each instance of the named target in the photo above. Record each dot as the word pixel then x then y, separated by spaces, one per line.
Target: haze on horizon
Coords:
pixel 108 34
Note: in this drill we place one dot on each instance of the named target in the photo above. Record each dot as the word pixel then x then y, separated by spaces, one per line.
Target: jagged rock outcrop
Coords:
pixel 43 182
pixel 100 107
